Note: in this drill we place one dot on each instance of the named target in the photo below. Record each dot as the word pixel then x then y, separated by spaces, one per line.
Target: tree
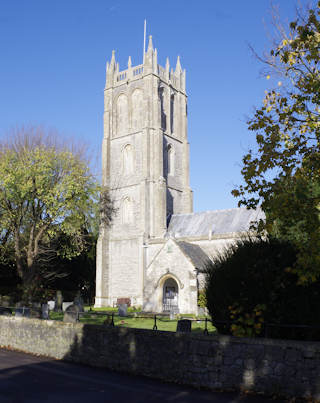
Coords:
pixel 249 286
pixel 46 191
pixel 283 174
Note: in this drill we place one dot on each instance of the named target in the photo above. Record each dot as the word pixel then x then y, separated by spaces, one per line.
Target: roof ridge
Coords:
pixel 213 211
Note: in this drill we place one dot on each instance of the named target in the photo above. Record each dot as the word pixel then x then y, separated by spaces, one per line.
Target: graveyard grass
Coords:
pixel 163 323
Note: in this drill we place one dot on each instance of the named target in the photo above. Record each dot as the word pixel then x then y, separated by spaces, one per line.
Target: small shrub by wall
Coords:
pixel 282 367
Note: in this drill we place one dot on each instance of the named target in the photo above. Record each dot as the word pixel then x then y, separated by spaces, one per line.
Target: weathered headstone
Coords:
pixel 65 305
pixel 45 311
pixel 23 312
pixel 122 309
pixel 79 302
pixel 124 301
pixel 71 314
pixel 51 304
pixel 58 301
pixel 5 311
pixel 184 326
pixel 35 313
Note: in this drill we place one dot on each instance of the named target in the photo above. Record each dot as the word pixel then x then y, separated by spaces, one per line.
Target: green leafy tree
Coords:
pixel 282 174
pixel 46 192
pixel 249 286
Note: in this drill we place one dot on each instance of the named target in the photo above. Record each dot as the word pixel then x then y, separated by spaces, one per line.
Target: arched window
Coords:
pixel 127 211
pixel 122 114
pixel 137 109
pixel 172 113
pixel 162 108
pixel 170 160
pixel 127 160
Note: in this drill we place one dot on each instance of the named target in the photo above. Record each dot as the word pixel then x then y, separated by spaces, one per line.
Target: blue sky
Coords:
pixel 52 71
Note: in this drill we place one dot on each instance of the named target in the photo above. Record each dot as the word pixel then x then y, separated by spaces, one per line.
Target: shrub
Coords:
pixel 251 284
pixel 202 299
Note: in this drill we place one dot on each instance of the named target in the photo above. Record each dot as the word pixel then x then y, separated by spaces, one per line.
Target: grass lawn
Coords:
pixel 163 323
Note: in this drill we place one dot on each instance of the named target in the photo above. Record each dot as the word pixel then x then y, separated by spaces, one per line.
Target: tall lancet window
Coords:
pixel 172 113
pixel 170 160
pixel 127 211
pixel 137 110
pixel 162 108
pixel 122 114
pixel 127 160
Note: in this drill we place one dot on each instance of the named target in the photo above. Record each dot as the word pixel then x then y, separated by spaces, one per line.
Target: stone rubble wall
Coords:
pixel 285 368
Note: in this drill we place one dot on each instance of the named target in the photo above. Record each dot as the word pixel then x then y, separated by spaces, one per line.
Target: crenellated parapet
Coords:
pixel 174 78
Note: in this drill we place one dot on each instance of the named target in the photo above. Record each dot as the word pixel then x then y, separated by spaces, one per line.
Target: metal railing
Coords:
pixel 265 332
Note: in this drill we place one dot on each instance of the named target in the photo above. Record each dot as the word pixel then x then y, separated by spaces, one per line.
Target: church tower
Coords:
pixel 145 166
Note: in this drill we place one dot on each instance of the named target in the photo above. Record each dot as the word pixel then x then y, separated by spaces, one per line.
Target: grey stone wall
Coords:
pixel 286 368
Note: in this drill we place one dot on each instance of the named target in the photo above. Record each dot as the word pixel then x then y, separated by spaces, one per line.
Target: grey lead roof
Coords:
pixel 195 254
pixel 217 221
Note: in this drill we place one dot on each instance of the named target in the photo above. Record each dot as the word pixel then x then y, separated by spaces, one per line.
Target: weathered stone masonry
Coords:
pixel 287 368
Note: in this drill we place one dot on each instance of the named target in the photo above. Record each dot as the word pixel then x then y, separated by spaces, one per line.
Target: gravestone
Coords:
pixel 65 305
pixel 35 313
pixel 184 326
pixel 71 314
pixel 122 309
pixel 22 312
pixel 51 304
pixel 5 311
pixel 58 301
pixel 79 302
pixel 121 301
pixel 45 311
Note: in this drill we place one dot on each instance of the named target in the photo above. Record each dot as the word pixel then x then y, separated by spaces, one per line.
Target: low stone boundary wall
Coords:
pixel 285 368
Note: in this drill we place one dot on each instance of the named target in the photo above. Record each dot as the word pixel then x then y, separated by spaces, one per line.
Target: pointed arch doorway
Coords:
pixel 170 300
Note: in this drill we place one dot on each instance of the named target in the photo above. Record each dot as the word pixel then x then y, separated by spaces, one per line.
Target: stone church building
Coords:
pixel 156 247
